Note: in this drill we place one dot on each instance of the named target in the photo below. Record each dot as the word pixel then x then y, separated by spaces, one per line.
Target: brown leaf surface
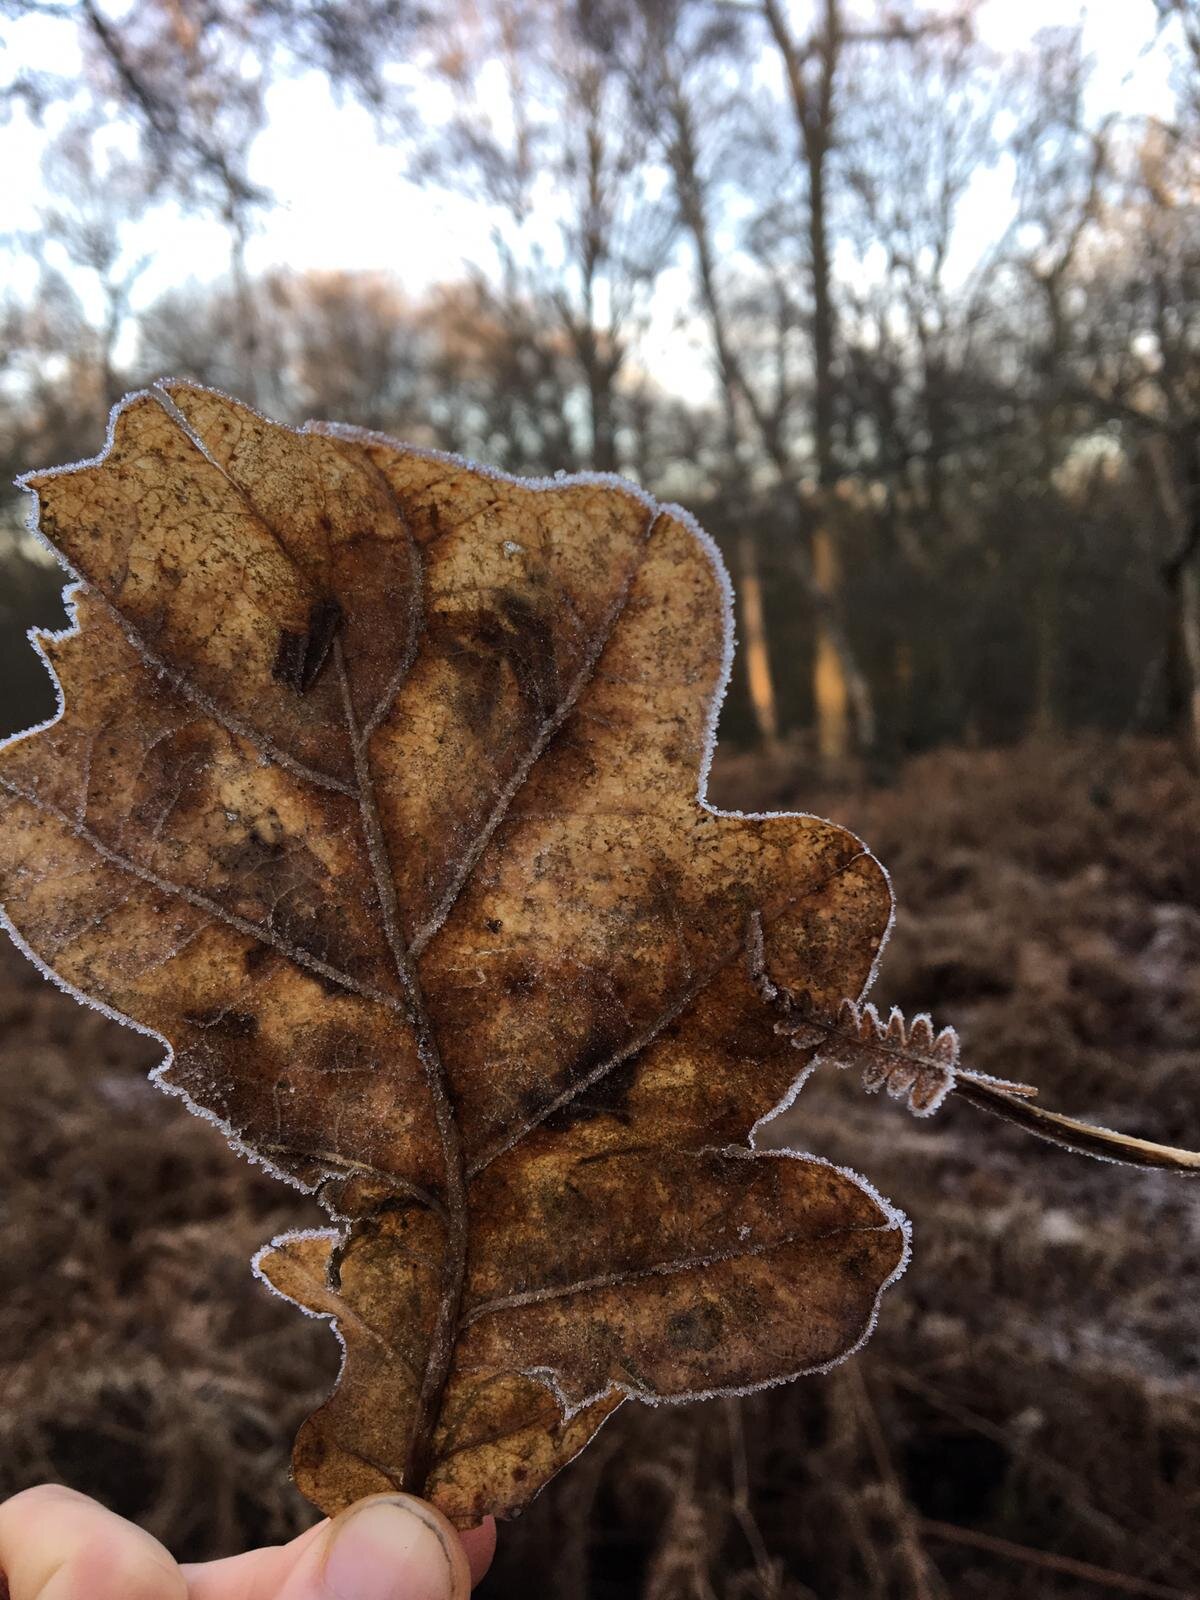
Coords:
pixel 374 794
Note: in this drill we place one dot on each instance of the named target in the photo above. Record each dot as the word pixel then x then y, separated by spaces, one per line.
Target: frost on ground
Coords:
pixel 1036 1380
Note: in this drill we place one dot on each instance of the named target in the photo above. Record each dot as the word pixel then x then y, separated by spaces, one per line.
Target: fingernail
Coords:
pixel 388 1550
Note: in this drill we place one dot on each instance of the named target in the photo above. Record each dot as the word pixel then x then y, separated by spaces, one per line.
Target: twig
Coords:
pixel 743 1512
pixel 1082 1137
pixel 681 1563
pixel 1069 1485
pixel 840 1477
pixel 926 1580
pixel 1085 1571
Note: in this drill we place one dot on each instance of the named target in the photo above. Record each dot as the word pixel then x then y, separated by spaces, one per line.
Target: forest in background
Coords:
pixel 959 494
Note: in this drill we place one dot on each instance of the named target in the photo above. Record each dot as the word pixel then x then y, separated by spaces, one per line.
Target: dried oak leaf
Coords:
pixel 374 795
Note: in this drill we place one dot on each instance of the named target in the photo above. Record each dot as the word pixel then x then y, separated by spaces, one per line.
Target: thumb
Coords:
pixel 387 1547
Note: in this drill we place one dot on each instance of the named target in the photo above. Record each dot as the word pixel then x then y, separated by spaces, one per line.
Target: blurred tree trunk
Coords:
pixel 812 103
pixel 1045 636
pixel 811 70
pixel 760 684
pixel 691 198
pixel 539 113
pixel 832 644
pixel 831 693
pixel 246 332
pixel 1181 574
pixel 1187 604
pixel 599 357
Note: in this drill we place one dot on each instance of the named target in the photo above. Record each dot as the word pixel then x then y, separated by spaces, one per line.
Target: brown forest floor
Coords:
pixel 1035 1377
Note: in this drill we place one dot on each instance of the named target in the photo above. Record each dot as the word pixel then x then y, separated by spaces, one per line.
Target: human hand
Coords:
pixel 59 1545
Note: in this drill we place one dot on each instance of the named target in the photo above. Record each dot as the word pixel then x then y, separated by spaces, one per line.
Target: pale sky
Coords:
pixel 343 200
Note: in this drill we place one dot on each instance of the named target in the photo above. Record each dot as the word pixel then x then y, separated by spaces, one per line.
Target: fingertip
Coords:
pixel 386 1547
pixel 301 1570
pixel 421 1548
pixel 480 1545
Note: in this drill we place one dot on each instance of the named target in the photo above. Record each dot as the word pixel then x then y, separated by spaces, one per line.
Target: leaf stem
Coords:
pixel 1082 1137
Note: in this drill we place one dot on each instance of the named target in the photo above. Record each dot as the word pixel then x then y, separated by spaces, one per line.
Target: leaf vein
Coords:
pixel 219 913
pixel 683 1000
pixel 525 766
pixel 693 1263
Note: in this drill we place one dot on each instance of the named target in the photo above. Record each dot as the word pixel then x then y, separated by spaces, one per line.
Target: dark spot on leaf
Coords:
pixel 517 634
pixel 698 1328
pixel 288 667
pixel 219 1019
pixel 170 782
pixel 255 957
pixel 530 652
pixel 251 854
pixel 299 657
pixel 323 623
pixel 609 1095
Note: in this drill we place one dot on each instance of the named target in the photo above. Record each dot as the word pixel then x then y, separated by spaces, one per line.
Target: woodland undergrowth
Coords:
pixel 1027 1418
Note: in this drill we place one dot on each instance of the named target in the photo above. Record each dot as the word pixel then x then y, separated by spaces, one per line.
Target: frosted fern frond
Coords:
pixel 908 1059
pixel 916 1063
